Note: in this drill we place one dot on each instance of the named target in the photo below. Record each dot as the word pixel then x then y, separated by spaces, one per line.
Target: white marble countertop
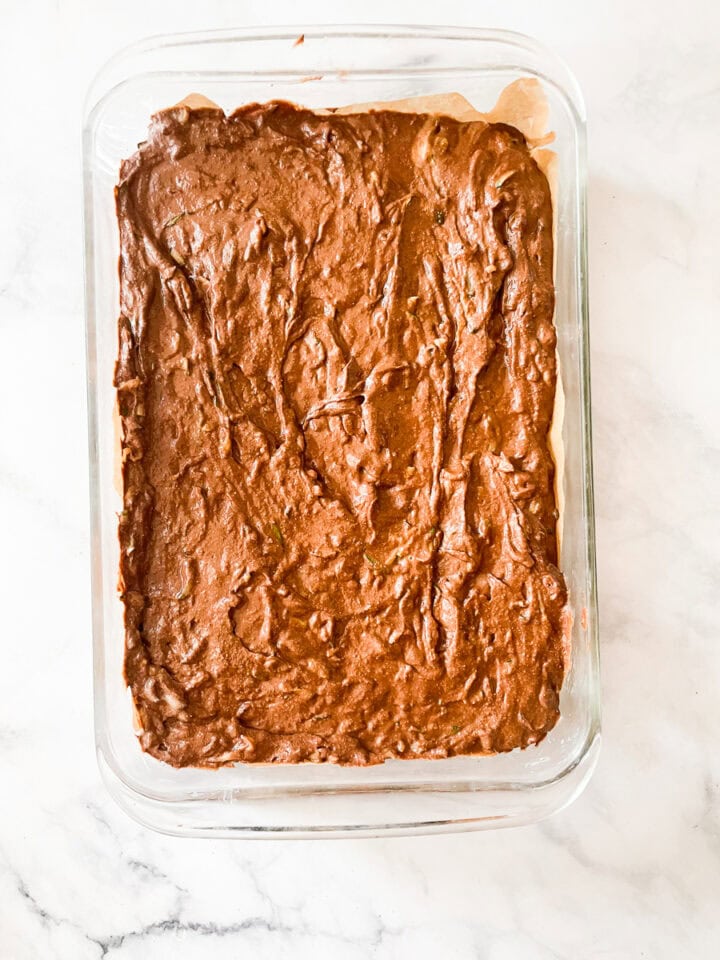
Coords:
pixel 632 869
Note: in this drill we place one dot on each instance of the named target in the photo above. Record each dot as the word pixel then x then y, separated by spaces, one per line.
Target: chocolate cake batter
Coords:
pixel 336 377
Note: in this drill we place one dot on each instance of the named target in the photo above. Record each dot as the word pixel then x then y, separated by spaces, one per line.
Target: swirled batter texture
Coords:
pixel 336 377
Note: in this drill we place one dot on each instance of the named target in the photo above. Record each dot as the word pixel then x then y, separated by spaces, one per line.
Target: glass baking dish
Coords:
pixel 332 67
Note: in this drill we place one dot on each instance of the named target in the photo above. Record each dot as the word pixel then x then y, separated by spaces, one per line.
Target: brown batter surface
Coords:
pixel 336 379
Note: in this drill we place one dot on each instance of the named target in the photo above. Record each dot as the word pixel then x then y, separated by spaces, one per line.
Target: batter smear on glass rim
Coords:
pixel 336 378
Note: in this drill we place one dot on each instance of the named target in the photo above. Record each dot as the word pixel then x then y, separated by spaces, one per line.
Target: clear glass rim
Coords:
pixel 110 75
pixel 174 817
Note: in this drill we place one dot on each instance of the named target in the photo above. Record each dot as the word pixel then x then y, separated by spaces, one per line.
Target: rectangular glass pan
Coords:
pixel 335 66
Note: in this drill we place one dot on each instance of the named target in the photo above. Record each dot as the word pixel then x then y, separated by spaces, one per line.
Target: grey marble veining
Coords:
pixel 632 869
